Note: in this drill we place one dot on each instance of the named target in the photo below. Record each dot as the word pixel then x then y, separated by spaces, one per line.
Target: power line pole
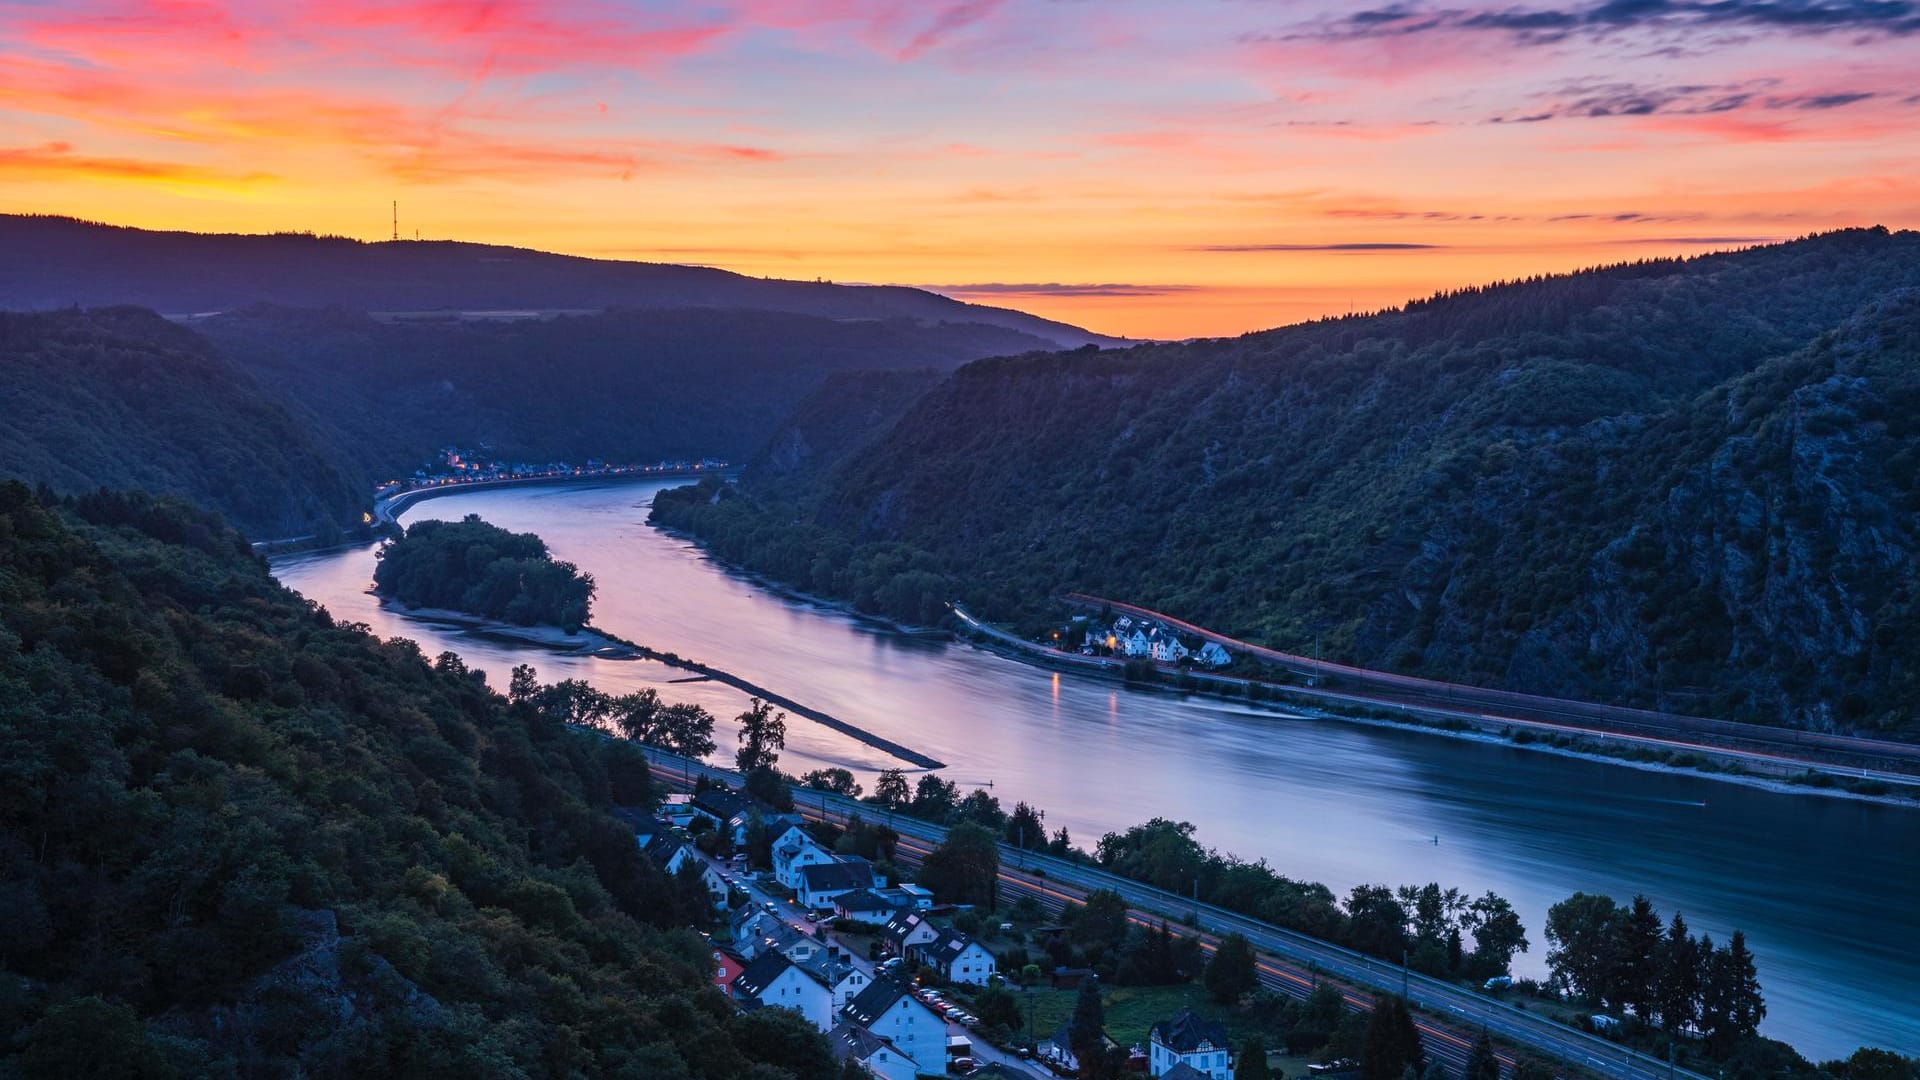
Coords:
pixel 396 219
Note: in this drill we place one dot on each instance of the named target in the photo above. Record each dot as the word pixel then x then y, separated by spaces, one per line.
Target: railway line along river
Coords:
pixel 1825 888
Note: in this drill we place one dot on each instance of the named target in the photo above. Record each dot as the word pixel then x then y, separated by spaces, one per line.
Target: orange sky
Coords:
pixel 1148 169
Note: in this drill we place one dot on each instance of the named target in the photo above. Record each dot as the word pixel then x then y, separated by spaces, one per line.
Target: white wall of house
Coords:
pixel 1213 1061
pixel 974 965
pixel 795 989
pixel 918 1033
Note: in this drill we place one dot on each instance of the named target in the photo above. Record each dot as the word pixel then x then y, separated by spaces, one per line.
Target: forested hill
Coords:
pixel 1687 484
pixel 49 262
pixel 621 385
pixel 237 839
pixel 122 398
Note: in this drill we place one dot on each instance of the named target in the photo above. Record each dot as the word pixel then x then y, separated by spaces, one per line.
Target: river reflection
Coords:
pixel 1825 889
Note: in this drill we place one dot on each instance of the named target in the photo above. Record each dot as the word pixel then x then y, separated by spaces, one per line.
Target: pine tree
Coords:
pixel 1086 1031
pixel 1678 987
pixel 1636 968
pixel 1481 1063
pixel 1747 1007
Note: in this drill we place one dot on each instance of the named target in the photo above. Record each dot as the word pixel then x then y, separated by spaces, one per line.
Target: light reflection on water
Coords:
pixel 1825 889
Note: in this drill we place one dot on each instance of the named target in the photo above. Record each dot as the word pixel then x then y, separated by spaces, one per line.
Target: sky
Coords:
pixel 1154 169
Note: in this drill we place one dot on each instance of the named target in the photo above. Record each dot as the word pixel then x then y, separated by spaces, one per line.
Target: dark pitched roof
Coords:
pixel 902 924
pixel 854 1041
pixel 660 848
pixel 724 803
pixel 852 874
pixel 872 1003
pixel 1184 1033
pixel 946 948
pixel 760 974
pixel 1183 1071
pixel 868 900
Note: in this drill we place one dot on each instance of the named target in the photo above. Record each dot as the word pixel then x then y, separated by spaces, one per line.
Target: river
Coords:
pixel 1827 890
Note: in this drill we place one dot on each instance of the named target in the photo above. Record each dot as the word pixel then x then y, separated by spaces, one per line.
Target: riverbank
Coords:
pixel 583 642
pixel 1634 752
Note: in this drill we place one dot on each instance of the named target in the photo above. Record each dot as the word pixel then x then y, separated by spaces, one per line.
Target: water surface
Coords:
pixel 1828 891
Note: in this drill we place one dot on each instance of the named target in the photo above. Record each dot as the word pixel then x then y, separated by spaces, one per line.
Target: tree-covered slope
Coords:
pixel 622 385
pixel 51 262
pixel 1677 483
pixel 119 397
pixel 238 839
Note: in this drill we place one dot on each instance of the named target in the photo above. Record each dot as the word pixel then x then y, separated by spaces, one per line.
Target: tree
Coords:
pixel 982 809
pixel 685 729
pixel 1677 989
pixel 1253 1060
pixel 1027 827
pixel 764 782
pixel 934 799
pixel 1635 964
pixel 1087 1030
pixel 763 734
pixel 1482 1063
pixel 890 790
pixel 636 715
pixel 965 868
pixel 1392 1043
pixel 1376 923
pixel 1233 973
pixel 838 781
pixel 1580 943
pixel 1737 982
pixel 1102 921
pixel 1497 934
pixel 1532 1069
pixel 997 1006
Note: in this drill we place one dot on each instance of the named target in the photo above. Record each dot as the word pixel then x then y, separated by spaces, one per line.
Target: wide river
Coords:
pixel 1827 890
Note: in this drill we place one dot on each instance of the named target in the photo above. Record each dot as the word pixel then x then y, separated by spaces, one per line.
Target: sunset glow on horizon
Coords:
pixel 1147 169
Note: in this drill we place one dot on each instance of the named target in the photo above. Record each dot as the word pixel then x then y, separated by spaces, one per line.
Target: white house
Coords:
pixel 871 1052
pixel 1134 643
pixel 1213 654
pixel 820 883
pixel 775 982
pixel 671 854
pixel 958 958
pixel 906 932
pixel 1163 646
pixel 888 1010
pixel 678 810
pixel 1201 1045
pixel 831 969
pixel 794 849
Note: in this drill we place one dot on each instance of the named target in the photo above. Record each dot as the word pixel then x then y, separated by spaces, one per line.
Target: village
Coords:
pixel 891 972
pixel 456 466
pixel 1138 639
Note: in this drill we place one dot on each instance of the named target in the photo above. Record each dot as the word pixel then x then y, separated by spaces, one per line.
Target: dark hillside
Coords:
pixel 122 398
pixel 624 385
pixel 240 840
pixel 1679 483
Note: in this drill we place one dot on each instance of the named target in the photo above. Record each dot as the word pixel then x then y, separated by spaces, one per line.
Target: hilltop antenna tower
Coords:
pixel 396 219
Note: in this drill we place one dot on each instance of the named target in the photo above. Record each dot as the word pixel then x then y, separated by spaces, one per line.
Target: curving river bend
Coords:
pixel 1827 890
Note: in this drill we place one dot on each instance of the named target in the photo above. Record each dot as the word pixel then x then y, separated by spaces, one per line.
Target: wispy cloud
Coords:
pixel 1555 24
pixel 59 160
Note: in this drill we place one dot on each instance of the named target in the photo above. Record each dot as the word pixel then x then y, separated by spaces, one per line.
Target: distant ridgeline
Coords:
pixel 1686 484
pixel 482 569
